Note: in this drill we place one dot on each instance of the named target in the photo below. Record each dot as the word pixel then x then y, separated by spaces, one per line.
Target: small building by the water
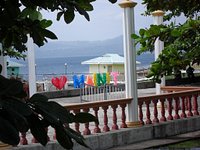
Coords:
pixel 13 68
pixel 106 63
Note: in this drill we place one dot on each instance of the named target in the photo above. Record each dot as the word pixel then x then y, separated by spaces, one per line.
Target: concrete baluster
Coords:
pixel 48 138
pixel 189 106
pixel 148 114
pixel 23 140
pixel 77 125
pixel 123 125
pixel 115 126
pixel 176 116
pixel 141 113
pixel 186 103
pixel 163 118
pixel 183 115
pixel 155 120
pixel 170 117
pixel 54 136
pixel 87 130
pixel 195 104
pixel 96 129
pixel 34 140
pixel 105 128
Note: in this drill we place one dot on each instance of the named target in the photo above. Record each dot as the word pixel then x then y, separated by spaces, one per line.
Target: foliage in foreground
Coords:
pixel 37 113
pixel 23 17
pixel 181 41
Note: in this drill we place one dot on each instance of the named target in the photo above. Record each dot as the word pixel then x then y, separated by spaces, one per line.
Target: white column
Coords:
pixel 158 45
pixel 130 61
pixel 31 66
pixel 3 62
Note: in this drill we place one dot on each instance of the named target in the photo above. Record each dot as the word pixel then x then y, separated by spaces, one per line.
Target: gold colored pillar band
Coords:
pixel 158 13
pixel 127 3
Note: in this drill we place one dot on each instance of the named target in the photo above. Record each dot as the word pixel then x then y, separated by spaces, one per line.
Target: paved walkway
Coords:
pixel 70 100
pixel 156 143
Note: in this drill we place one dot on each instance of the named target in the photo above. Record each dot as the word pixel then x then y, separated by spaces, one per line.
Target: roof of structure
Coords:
pixel 13 64
pixel 107 59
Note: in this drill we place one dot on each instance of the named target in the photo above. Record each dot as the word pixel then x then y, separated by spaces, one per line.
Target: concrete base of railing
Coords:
pixel 125 136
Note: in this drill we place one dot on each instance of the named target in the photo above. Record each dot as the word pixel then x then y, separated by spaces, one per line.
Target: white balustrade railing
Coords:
pixel 89 93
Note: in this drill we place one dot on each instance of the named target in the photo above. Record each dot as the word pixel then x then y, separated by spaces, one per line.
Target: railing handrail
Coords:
pixel 177 88
pixel 128 100
pixel 98 103
pixel 169 95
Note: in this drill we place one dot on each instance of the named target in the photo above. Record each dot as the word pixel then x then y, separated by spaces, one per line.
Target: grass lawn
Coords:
pixel 195 143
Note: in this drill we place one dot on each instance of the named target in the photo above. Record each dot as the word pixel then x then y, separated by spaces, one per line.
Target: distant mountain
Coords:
pixel 80 48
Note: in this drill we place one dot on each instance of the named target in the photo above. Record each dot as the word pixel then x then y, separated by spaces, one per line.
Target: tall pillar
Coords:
pixel 31 66
pixel 130 61
pixel 158 45
pixel 3 62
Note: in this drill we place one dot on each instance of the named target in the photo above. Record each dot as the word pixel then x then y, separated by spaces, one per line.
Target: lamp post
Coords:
pixel 65 68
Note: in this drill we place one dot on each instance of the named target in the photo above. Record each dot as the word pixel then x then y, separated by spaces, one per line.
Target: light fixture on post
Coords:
pixel 65 68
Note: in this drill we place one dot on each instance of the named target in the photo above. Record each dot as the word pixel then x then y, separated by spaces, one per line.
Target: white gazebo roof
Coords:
pixel 107 59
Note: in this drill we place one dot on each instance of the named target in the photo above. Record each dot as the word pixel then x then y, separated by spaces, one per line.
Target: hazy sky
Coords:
pixel 105 23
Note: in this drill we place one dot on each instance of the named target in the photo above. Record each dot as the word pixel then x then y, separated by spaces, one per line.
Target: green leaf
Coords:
pixel 59 15
pixel 8 39
pixel 142 31
pixel 175 33
pixel 84 117
pixel 69 16
pixel 22 95
pixel 83 12
pixel 45 123
pixel 134 36
pixel 16 105
pixel 37 129
pixel 63 138
pixel 45 23
pixel 49 34
pixel 53 112
pixel 31 13
pixel 38 98
pixel 8 134
pixel 10 87
pixel 16 119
